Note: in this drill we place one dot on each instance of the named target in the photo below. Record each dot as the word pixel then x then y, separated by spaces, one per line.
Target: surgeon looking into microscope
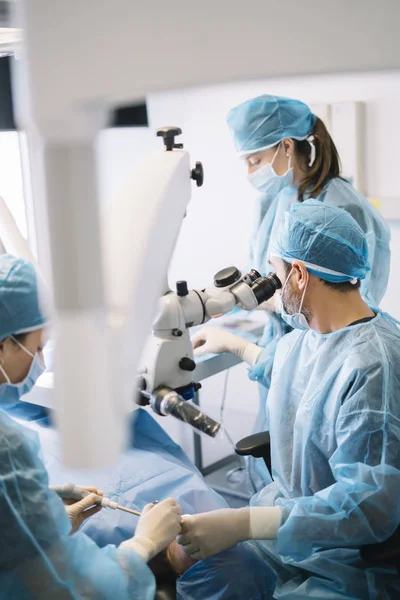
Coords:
pixel 333 413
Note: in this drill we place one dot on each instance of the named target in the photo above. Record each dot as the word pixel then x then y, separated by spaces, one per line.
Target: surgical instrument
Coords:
pixel 74 492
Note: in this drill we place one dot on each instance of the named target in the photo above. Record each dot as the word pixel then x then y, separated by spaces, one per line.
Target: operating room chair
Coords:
pixel 385 553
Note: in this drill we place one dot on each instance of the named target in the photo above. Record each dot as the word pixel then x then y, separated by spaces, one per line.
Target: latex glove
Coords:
pixel 157 527
pixel 209 533
pixel 80 510
pixel 212 340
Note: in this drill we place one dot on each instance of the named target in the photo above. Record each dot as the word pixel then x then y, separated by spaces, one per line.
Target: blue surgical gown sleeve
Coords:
pixel 261 371
pixel 362 506
pixel 38 557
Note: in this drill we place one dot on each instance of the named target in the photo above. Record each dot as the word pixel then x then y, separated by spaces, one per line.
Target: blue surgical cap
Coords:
pixel 326 238
pixel 262 122
pixel 19 297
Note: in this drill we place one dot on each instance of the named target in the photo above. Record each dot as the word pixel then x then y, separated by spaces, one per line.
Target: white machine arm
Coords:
pixel 168 358
pixel 97 346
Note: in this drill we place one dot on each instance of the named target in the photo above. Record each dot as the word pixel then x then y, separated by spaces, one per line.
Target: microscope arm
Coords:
pixel 185 308
pixel 168 358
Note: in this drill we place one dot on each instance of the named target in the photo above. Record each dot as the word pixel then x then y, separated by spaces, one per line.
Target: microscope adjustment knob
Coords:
pixel 182 288
pixel 187 364
pixel 226 277
pixel 198 174
pixel 168 134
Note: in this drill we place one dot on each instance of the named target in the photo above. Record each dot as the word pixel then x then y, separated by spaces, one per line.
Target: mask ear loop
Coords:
pixel 4 373
pixel 304 293
pixel 275 155
pixel 28 352
pixel 286 280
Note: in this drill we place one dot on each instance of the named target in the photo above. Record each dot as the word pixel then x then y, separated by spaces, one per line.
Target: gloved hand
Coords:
pixel 212 340
pixel 209 533
pixel 159 524
pixel 80 510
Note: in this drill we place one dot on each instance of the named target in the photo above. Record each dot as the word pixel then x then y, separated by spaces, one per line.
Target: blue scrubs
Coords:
pixel 334 413
pixel 153 468
pixel 337 192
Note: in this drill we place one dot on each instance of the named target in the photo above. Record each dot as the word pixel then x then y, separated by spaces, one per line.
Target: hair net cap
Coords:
pixel 19 297
pixel 262 122
pixel 326 238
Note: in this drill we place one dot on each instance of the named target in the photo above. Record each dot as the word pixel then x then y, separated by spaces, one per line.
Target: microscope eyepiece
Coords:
pixel 265 287
pixel 251 277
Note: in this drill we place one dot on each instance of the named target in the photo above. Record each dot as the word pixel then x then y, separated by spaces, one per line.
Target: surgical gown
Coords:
pixel 153 468
pixel 39 559
pixel 337 192
pixel 334 414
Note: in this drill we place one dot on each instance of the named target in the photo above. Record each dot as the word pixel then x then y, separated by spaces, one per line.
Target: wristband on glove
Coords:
pixel 265 522
pixel 142 546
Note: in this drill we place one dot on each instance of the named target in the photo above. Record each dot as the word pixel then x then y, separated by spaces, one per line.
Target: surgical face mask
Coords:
pixel 12 392
pixel 267 181
pixel 296 320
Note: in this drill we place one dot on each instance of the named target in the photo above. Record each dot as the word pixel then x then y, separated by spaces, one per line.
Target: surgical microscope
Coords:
pixel 168 378
pixel 167 382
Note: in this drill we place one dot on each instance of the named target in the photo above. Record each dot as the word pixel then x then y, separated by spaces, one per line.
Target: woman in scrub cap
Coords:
pixel 290 157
